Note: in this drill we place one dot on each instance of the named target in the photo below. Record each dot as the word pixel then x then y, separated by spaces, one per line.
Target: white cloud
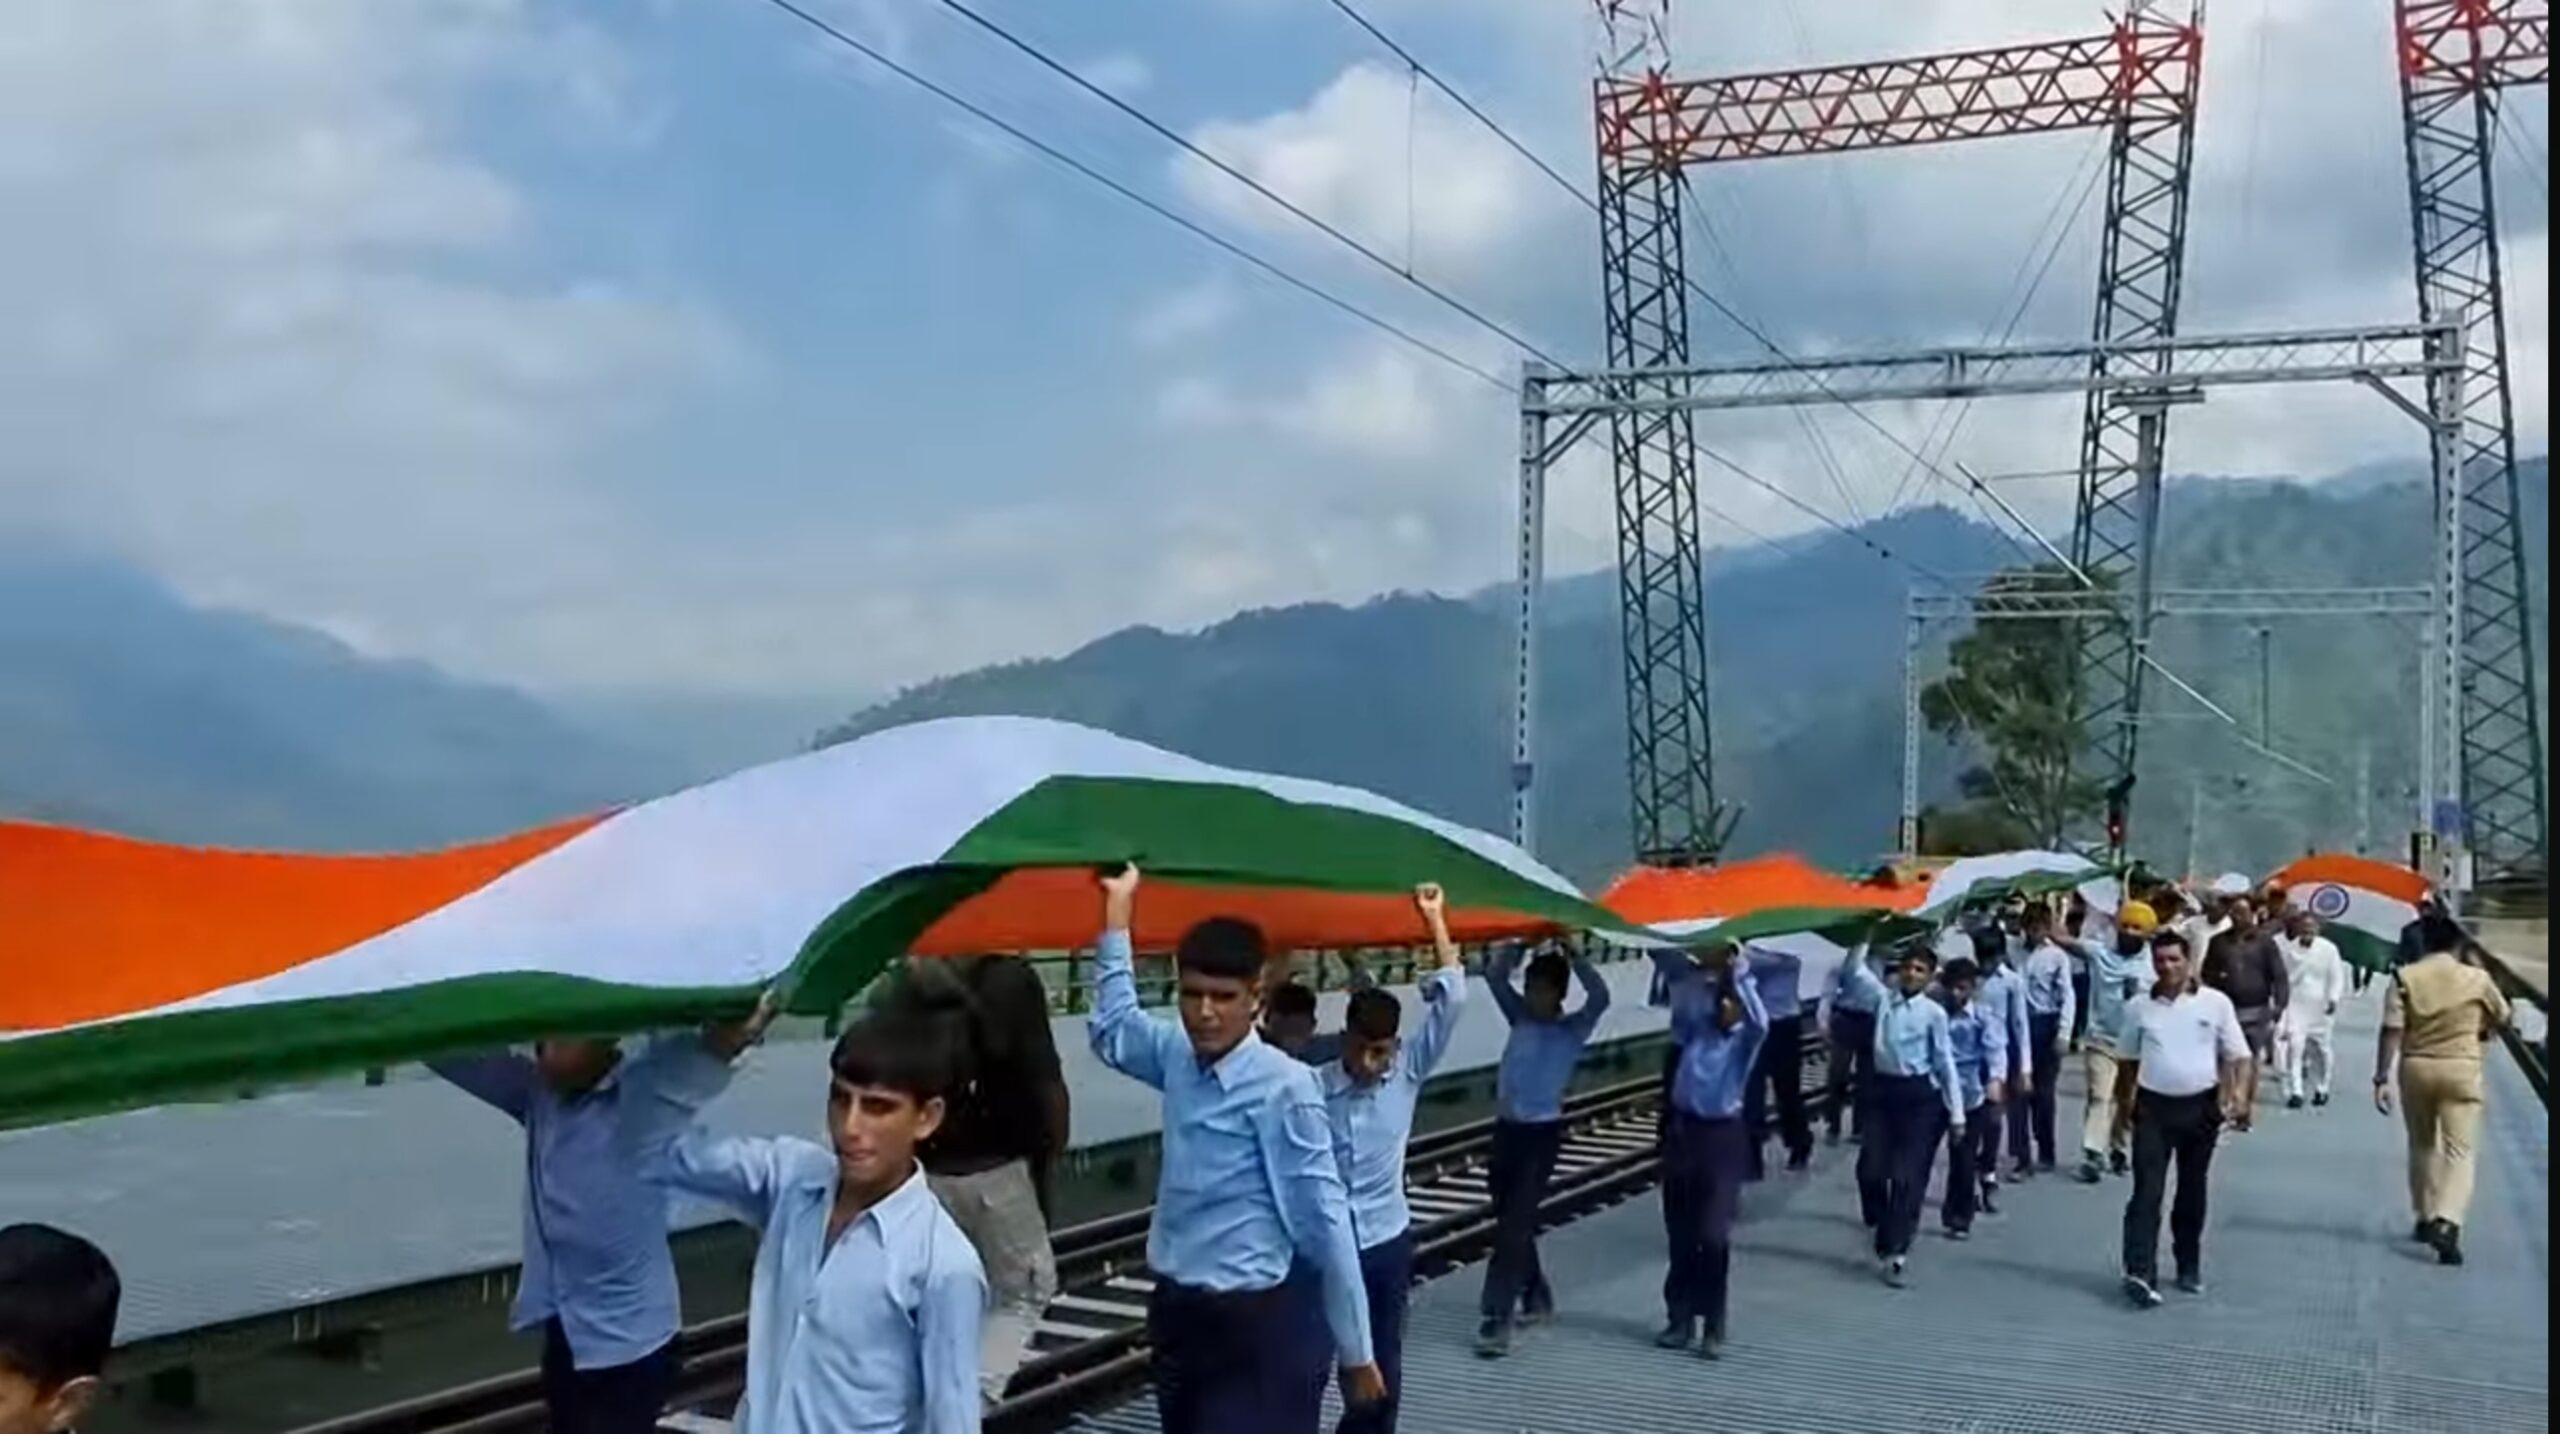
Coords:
pixel 1404 173
pixel 1122 72
pixel 282 340
pixel 1190 313
pixel 1372 400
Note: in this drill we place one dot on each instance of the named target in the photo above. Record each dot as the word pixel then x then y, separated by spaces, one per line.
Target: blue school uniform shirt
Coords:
pixel 1372 1123
pixel 1778 975
pixel 1714 1068
pixel 1849 995
pixel 1911 1037
pixel 2002 995
pixel 1981 1049
pixel 595 1227
pixel 876 1333
pixel 1538 1059
pixel 2046 974
pixel 1248 1179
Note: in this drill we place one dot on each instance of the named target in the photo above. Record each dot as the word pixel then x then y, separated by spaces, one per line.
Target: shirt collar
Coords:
pixel 1231 1066
pixel 892 1212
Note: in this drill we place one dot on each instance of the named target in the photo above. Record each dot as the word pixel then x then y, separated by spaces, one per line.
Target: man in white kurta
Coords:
pixel 2317 976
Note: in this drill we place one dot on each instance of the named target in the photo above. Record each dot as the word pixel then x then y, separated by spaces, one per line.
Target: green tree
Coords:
pixel 2011 688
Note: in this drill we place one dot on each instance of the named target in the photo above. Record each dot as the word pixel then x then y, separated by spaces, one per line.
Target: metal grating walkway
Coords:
pixel 2322 1316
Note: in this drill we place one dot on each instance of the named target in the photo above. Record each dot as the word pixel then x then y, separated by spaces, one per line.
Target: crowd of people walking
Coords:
pixel 905 1262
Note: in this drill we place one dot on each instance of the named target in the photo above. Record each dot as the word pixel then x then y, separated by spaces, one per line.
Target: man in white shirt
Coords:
pixel 2181 1058
pixel 2316 976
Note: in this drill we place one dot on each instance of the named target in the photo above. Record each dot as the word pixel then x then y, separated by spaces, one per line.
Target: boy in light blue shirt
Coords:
pixel 1370 1093
pixel 1720 1026
pixel 1981 1048
pixel 1248 1187
pixel 868 1301
pixel 1528 1130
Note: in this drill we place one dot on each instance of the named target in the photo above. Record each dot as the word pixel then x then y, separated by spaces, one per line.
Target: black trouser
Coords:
pixel 1963 1197
pixel 1386 1273
pixel 1702 1169
pixel 2079 1005
pixel 1983 1126
pixel 1236 1361
pixel 2166 1129
pixel 2044 1036
pixel 2019 1110
pixel 625 1399
pixel 1852 1067
pixel 1777 1078
pixel 1516 1174
pixel 1908 1118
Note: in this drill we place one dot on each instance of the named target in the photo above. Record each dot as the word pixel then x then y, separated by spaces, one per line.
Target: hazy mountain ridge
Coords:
pixel 123 707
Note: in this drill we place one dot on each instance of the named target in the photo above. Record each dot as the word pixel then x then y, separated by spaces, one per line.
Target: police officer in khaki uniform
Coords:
pixel 2435 1020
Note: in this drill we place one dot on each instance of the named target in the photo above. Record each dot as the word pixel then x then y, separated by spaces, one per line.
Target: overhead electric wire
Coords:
pixel 1460 100
pixel 1077 166
pixel 2537 160
pixel 1705 294
pixel 1175 137
pixel 1722 254
pixel 2050 238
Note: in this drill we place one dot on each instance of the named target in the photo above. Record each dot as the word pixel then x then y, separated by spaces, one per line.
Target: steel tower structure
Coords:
pixel 2139 79
pixel 2456 59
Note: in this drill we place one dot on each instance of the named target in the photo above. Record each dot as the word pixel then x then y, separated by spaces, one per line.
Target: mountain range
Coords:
pixel 124 707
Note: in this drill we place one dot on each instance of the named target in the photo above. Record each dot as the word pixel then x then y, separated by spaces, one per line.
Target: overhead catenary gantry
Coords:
pixel 2457 59
pixel 2138 80
pixel 2419 368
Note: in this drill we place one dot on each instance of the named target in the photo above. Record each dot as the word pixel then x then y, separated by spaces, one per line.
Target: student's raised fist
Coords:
pixel 1120 881
pixel 1431 901
pixel 730 1039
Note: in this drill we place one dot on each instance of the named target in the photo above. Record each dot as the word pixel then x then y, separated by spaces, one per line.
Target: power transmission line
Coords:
pixel 1706 295
pixel 1077 166
pixel 1172 136
pixel 1087 171
pixel 2050 238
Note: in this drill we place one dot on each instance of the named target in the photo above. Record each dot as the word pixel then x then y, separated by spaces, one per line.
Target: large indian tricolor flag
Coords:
pixel 1780 903
pixel 2002 874
pixel 132 972
pixel 2361 903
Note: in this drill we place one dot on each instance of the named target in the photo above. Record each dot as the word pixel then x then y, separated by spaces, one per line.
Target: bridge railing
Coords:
pixel 2532 1051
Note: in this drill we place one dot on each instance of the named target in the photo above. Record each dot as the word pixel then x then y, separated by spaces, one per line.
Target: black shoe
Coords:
pixel 2424 1232
pixel 2088 1173
pixel 2320 1098
pixel 1990 1201
pixel 1959 1232
pixel 2190 1283
pixel 1537 1314
pixel 2448 1243
pixel 1493 1339
pixel 2294 1102
pixel 1676 1334
pixel 2143 1294
pixel 2118 1164
pixel 2045 1167
pixel 1711 1345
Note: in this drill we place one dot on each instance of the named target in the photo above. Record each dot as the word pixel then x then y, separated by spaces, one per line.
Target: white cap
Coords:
pixel 2231 883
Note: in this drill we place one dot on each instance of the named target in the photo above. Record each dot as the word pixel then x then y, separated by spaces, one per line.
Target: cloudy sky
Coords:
pixel 622 345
